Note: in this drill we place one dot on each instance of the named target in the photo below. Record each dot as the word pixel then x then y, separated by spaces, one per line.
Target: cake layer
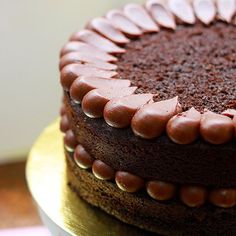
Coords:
pixel 195 63
pixel 197 163
pixel 190 195
pixel 170 218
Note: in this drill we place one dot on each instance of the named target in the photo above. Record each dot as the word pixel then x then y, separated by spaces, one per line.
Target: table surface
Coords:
pixel 17 208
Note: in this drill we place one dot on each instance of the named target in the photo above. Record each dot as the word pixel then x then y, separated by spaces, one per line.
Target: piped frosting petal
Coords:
pixel 121 22
pixel 94 101
pixel 70 140
pixel 221 197
pixel 183 10
pixel 150 121
pixel 119 112
pixel 137 14
pixel 128 182
pixel 82 85
pixel 97 40
pixel 82 157
pixel 226 9
pixel 104 27
pixel 64 123
pixel 161 13
pixel 205 10
pixel 86 49
pixel 102 171
pixel 81 58
pixel 72 71
pixel 184 127
pixel 161 191
pixel 193 196
pixel 216 128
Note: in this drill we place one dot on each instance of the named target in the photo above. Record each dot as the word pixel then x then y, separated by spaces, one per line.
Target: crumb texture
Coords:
pixel 196 63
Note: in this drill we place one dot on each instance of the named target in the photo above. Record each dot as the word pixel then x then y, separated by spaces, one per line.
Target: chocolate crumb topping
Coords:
pixel 198 64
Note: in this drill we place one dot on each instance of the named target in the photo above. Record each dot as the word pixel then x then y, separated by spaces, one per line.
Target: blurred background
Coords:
pixel 31 35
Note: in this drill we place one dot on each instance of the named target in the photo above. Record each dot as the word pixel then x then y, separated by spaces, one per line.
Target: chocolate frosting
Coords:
pixel 223 197
pixel 63 110
pixel 97 41
pixel 216 128
pixel 82 85
pixel 82 158
pixel 128 182
pixel 119 111
pixel 104 27
pixel 161 191
pixel 226 9
pixel 150 121
pixel 64 123
pixel 94 101
pixel 160 13
pixel 121 22
pixel 184 127
pixel 86 49
pixel 70 140
pixel 88 59
pixel 102 171
pixel 140 17
pixel 205 10
pixel 72 71
pixel 193 196
pixel 183 10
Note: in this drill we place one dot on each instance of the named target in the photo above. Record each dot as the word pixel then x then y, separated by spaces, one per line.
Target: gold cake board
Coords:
pixel 60 209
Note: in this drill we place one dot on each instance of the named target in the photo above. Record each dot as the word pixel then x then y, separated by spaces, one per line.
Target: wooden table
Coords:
pixel 17 208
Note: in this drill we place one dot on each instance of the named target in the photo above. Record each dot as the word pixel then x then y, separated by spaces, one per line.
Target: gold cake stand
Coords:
pixel 60 209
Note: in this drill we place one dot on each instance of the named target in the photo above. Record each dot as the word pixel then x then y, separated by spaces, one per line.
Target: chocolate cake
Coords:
pixel 149 115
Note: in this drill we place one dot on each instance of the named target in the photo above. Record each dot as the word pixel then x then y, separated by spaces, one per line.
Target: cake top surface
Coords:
pixel 165 66
pixel 197 64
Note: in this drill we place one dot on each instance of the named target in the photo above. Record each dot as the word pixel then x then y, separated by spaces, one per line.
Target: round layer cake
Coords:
pixel 149 115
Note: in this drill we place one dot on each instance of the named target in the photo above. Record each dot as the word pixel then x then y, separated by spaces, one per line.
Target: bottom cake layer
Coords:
pixel 172 218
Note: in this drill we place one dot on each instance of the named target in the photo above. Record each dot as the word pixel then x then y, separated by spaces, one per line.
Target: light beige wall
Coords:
pixel 31 34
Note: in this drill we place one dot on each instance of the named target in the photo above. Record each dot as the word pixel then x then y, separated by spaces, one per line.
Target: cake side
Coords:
pixel 171 218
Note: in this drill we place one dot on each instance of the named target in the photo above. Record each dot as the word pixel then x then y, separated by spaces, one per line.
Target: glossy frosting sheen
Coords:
pixel 89 73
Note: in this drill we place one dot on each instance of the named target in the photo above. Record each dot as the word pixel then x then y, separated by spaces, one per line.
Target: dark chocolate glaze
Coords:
pixel 198 64
pixel 160 158
pixel 165 218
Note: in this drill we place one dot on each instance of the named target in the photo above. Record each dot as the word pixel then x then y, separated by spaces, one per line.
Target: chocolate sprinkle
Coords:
pixel 196 63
